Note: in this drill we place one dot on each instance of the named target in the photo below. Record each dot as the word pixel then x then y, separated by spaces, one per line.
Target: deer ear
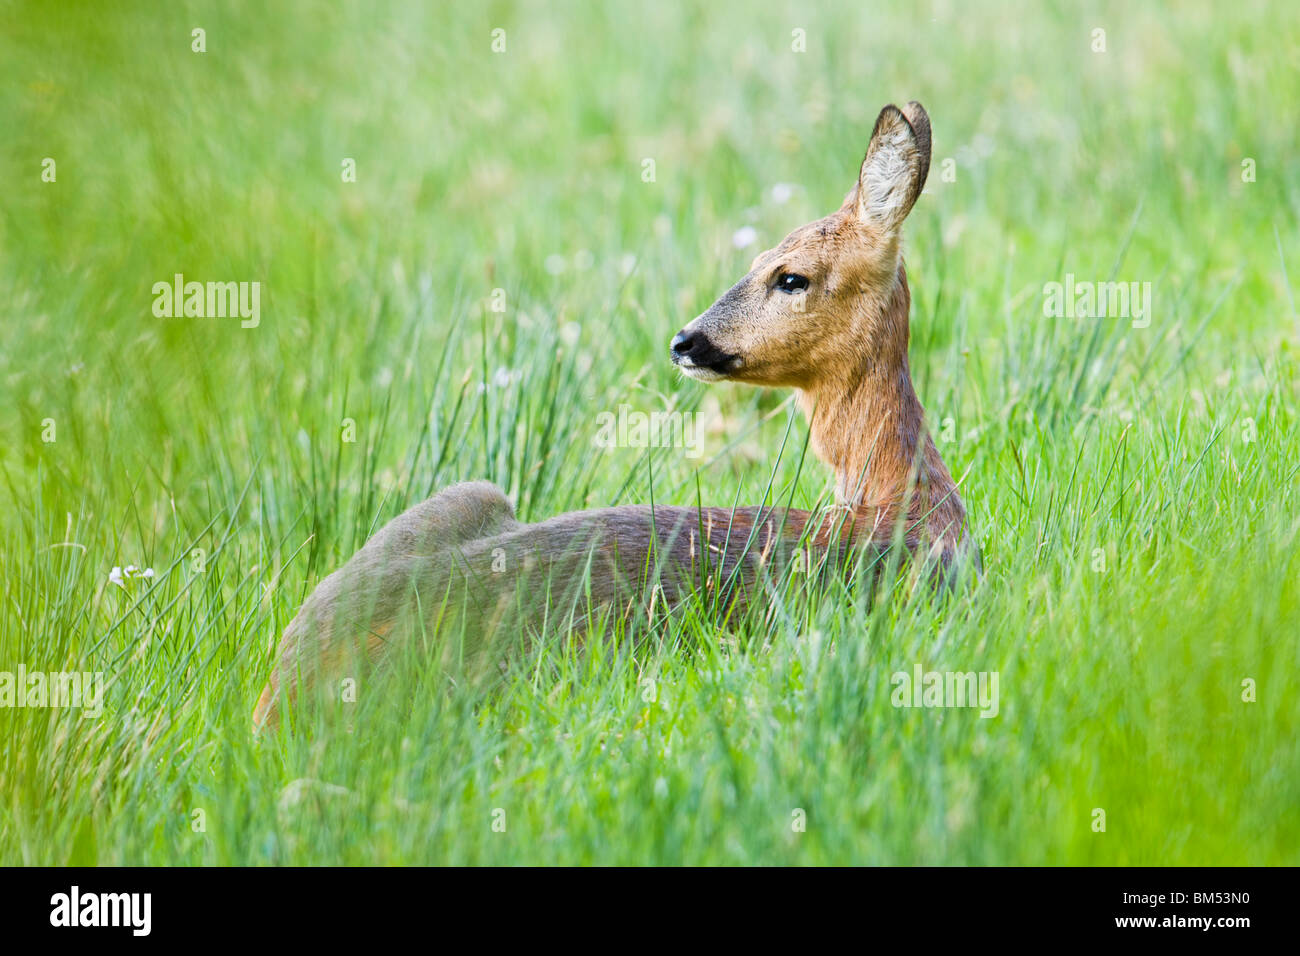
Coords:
pixel 897 162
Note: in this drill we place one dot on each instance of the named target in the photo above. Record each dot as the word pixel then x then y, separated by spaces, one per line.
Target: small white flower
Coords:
pixel 555 264
pixel 782 192
pixel 744 236
pixel 120 576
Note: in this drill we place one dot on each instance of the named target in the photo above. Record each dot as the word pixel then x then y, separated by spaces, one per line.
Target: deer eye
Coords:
pixel 791 282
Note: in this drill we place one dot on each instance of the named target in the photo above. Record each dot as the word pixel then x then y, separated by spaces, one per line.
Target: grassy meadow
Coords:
pixel 467 254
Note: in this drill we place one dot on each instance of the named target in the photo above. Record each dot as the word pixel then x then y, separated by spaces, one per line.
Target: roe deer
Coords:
pixel 825 313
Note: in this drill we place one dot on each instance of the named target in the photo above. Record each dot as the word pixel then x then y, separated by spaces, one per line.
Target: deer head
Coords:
pixel 811 308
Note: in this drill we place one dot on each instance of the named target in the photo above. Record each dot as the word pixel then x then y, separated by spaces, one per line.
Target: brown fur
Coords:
pixel 460 564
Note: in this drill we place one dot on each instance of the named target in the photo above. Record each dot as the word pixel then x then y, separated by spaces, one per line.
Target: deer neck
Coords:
pixel 867 423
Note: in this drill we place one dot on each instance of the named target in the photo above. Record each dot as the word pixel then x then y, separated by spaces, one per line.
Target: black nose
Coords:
pixel 695 349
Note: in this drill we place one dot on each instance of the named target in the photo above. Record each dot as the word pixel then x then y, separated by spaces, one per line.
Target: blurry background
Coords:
pixel 525 170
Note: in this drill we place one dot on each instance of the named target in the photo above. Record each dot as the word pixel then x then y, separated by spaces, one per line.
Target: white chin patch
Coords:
pixel 701 374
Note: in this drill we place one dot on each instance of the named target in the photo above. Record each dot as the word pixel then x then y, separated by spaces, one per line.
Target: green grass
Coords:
pixel 1134 488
